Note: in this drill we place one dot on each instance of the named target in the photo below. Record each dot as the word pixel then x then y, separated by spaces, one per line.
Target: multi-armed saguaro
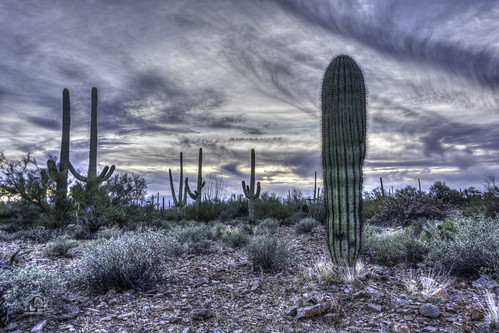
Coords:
pixel 200 184
pixel 92 180
pixel 182 200
pixel 343 152
pixel 249 190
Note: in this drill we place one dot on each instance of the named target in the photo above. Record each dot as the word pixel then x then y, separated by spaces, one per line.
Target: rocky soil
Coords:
pixel 221 292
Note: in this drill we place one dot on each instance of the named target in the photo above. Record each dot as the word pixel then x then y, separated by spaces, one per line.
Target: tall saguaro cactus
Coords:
pixel 182 200
pixel 200 184
pixel 92 180
pixel 59 174
pixel 249 190
pixel 343 151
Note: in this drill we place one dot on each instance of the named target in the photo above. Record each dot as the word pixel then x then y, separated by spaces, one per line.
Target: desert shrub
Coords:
pixel 408 204
pixel 60 246
pixel 194 237
pixel 269 205
pixel 372 203
pixel 215 231
pixel 268 252
pixel 444 193
pixel 268 225
pixel 392 247
pixel 306 225
pixel 22 282
pixel 36 234
pixel 108 232
pixel 236 238
pixel 474 247
pixel 491 197
pixel 28 184
pixel 130 261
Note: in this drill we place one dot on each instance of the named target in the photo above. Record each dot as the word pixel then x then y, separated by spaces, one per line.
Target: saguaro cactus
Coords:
pixel 92 180
pixel 182 200
pixel 200 184
pixel 59 174
pixel 249 190
pixel 343 152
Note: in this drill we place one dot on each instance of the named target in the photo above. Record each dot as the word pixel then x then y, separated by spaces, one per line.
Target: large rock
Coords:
pixel 429 310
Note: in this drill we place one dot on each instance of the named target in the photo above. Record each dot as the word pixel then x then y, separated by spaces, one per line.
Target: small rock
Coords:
pixel 409 317
pixel 431 329
pixel 292 311
pixel 429 310
pixel 474 313
pixel 310 311
pixel 202 314
pixel 11 327
pixel 375 307
pixel 39 327
pixel 255 284
pixel 485 281
pixel 440 295
pixel 107 318
pixel 401 328
pixel 186 330
pixel 112 301
pixel 401 302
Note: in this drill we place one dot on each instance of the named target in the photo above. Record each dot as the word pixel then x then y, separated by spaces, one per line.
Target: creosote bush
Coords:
pixel 268 252
pixel 131 261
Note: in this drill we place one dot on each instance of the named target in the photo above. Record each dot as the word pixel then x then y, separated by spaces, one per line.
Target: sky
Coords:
pixel 228 76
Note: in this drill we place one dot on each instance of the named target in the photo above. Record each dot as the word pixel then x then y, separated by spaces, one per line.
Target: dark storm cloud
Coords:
pixel 404 31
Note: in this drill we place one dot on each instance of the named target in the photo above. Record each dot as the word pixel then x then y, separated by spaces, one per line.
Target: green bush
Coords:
pixel 268 225
pixel 392 247
pixel 236 238
pixel 60 246
pixel 131 261
pixel 473 248
pixel 108 232
pixel 194 237
pixel 17 285
pixel 306 225
pixel 268 252
pixel 407 205
pixel 269 205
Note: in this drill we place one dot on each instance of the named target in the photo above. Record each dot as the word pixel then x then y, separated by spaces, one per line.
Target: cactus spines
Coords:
pixel 343 151
pixel 200 184
pixel 92 180
pixel 249 190
pixel 182 199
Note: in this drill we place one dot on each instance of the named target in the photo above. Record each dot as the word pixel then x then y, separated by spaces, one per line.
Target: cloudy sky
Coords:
pixel 228 76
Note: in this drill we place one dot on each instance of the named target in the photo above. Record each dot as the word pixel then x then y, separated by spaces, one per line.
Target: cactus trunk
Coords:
pixel 92 180
pixel 182 199
pixel 249 190
pixel 343 152
pixel 200 184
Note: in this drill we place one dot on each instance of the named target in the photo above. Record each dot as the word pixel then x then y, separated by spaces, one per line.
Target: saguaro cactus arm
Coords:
pixel 343 152
pixel 200 183
pixel 92 165
pixel 181 201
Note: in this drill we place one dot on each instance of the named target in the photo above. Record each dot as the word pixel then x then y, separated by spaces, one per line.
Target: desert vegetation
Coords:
pixel 74 246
